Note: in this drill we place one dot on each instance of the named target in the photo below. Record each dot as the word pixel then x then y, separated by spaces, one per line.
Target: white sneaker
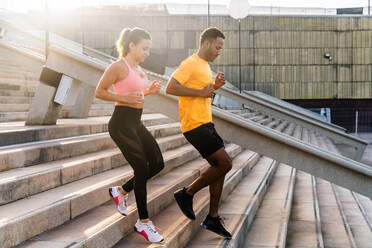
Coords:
pixel 148 231
pixel 120 200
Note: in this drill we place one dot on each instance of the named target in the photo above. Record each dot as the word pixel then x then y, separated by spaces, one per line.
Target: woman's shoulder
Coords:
pixel 118 66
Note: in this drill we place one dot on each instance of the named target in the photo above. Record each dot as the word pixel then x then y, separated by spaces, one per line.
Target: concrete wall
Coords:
pixel 282 56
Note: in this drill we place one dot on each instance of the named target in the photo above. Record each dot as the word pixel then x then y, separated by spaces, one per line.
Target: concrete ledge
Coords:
pixel 339 136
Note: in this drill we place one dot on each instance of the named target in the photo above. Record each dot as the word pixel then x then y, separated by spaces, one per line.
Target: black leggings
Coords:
pixel 140 150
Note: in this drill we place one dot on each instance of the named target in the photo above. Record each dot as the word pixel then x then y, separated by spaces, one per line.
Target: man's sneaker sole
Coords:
pixel 179 203
pixel 220 234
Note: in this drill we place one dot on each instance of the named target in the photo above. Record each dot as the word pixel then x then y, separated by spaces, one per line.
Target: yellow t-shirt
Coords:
pixel 195 73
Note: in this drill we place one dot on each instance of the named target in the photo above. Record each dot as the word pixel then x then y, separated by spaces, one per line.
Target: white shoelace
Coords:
pixel 124 198
pixel 151 226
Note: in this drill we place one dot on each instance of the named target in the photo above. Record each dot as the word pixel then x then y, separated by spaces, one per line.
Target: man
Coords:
pixel 193 83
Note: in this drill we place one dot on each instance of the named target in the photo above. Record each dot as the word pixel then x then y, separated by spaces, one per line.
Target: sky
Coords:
pixel 24 5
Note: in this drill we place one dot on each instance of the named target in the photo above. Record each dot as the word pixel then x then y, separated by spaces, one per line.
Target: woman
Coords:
pixel 133 139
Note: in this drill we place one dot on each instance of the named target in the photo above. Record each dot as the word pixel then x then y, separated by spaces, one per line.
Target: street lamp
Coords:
pixel 238 9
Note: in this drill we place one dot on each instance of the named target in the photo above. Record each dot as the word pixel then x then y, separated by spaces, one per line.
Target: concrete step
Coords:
pixel 91 113
pixel 17 156
pixel 249 115
pixel 365 205
pixel 304 228
pixel 283 125
pixel 257 118
pixel 18 72
pixel 16 132
pixel 6 86
pixel 14 107
pixel 274 123
pixel 19 99
pixel 273 215
pixel 103 226
pixel 355 220
pixel 30 84
pixel 335 230
pixel 23 182
pixel 7 74
pixel 289 129
pixel 7 92
pixel 95 106
pixel 177 229
pixel 12 116
pixel 100 112
pixel 102 106
pixel 265 121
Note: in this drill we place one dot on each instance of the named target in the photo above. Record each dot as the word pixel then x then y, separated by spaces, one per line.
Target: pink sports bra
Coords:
pixel 132 83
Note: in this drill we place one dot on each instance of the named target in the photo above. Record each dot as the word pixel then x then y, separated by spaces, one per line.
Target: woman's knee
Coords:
pixel 157 167
pixel 141 175
pixel 160 165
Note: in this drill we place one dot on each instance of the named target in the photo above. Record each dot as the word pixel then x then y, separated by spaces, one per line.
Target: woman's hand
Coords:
pixel 154 87
pixel 133 98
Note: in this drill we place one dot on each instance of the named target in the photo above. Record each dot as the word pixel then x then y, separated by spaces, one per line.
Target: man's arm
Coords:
pixel 175 88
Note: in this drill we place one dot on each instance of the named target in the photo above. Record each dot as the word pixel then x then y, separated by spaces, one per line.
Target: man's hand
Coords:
pixel 220 81
pixel 207 92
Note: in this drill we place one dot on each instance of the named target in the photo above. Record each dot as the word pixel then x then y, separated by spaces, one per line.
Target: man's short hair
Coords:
pixel 211 34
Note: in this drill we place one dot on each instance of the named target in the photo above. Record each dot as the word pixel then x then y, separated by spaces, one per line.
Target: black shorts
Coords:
pixel 205 139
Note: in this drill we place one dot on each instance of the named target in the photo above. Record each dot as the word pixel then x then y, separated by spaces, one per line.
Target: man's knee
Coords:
pixel 226 164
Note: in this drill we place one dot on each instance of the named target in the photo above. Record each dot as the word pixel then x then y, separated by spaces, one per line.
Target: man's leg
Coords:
pixel 220 163
pixel 215 191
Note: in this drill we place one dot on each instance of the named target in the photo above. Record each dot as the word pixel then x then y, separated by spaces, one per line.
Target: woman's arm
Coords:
pixel 108 78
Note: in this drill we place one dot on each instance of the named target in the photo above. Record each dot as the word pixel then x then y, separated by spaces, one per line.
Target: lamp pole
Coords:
pixel 238 9
pixel 240 63
pixel 46 29
pixel 208 14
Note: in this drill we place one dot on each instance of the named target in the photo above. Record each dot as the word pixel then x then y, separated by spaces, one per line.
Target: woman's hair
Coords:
pixel 128 36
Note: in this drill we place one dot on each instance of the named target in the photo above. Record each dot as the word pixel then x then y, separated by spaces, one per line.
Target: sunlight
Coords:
pixel 55 5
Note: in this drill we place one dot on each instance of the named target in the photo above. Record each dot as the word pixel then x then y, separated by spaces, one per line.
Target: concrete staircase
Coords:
pixel 18 85
pixel 60 184
pixel 54 193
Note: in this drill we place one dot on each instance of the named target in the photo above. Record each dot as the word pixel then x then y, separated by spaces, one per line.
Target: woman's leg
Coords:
pixel 152 151
pixel 131 146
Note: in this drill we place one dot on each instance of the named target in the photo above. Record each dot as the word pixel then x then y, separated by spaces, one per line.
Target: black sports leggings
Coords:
pixel 140 150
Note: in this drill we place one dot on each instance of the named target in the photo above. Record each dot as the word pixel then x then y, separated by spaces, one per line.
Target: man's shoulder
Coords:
pixel 189 60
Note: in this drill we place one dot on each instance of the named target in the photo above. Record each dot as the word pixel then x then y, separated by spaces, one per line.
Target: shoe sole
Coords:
pixel 113 197
pixel 179 205
pixel 206 227
pixel 135 229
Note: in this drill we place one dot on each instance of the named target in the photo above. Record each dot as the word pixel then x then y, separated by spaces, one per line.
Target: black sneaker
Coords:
pixel 184 201
pixel 214 224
